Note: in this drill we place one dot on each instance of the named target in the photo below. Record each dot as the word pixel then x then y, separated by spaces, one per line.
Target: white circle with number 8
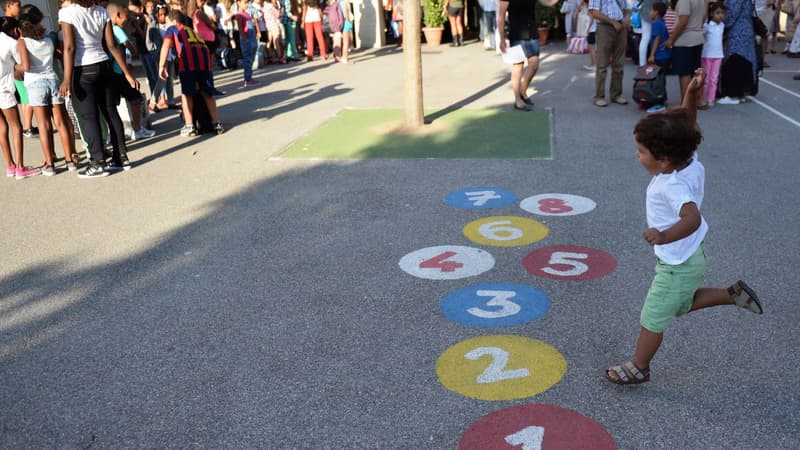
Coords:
pixel 557 204
pixel 447 262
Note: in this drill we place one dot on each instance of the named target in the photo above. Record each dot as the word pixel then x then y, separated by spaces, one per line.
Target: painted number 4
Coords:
pixel 441 262
pixel 530 438
pixel 567 259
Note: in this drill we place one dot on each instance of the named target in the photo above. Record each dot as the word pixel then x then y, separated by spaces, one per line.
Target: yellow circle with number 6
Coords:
pixel 500 367
pixel 505 231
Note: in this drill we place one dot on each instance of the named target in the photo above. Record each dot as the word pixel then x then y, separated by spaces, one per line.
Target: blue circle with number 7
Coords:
pixel 493 305
pixel 480 198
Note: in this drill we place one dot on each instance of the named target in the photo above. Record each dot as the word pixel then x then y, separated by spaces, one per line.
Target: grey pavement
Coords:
pixel 216 296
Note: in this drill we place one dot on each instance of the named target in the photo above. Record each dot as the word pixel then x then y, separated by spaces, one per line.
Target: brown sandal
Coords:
pixel 628 373
pixel 744 297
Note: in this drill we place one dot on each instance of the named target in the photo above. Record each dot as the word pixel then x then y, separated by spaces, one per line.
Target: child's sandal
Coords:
pixel 744 297
pixel 628 373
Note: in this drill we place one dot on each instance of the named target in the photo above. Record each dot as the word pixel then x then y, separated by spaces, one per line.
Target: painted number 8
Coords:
pixel 554 206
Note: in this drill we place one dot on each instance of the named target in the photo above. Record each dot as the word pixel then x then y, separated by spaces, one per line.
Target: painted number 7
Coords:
pixel 530 438
pixel 567 259
pixel 479 198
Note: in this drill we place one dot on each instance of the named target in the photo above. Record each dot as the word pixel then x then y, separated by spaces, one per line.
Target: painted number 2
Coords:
pixel 499 298
pixel 496 370
pixel 530 438
pixel 567 259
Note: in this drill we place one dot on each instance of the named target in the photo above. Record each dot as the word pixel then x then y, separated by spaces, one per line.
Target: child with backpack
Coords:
pixel 658 55
pixel 36 52
pixel 194 71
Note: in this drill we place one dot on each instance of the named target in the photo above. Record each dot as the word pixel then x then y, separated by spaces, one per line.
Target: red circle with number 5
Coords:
pixel 569 262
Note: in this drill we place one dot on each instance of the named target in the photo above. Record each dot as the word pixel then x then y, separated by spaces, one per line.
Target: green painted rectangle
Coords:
pixel 462 133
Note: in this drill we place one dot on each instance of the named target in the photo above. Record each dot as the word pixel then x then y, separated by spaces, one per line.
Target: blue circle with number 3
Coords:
pixel 494 305
pixel 480 198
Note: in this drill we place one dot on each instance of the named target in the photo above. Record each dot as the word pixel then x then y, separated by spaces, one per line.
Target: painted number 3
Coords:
pixel 496 370
pixel 530 438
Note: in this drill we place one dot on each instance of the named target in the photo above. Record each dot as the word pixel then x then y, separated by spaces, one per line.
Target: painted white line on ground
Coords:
pixel 774 111
pixel 777 86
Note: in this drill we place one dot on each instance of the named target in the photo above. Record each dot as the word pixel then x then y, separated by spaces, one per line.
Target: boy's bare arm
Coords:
pixel 690 98
pixel 689 222
pixel 652 58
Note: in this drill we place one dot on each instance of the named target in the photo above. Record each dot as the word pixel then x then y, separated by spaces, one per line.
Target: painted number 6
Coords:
pixel 500 231
pixel 567 259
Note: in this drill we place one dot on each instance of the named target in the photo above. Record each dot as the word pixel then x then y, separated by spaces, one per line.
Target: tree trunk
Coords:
pixel 412 65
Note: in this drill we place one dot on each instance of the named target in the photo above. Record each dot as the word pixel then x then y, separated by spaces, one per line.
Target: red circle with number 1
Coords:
pixel 536 427
pixel 569 262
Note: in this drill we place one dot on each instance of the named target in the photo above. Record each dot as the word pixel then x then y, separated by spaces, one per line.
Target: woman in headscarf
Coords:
pixel 738 75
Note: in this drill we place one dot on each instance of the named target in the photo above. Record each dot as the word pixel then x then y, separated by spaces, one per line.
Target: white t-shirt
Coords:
pixel 666 195
pixel 8 46
pixel 89 24
pixel 712 47
pixel 40 57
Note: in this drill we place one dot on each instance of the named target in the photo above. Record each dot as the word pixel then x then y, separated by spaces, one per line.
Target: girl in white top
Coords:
pixel 88 79
pixel 712 52
pixel 36 60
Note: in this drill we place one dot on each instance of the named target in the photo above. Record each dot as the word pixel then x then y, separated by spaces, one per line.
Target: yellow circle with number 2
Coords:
pixel 505 231
pixel 500 367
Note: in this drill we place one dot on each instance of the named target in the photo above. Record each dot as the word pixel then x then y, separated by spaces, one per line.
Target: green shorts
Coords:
pixel 672 292
pixel 23 93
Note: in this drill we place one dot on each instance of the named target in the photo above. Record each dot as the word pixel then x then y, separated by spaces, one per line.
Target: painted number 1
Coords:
pixel 530 438
pixel 496 370
pixel 567 259
pixel 440 262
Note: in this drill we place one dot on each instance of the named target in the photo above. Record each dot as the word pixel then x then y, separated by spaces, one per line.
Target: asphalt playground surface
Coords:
pixel 218 296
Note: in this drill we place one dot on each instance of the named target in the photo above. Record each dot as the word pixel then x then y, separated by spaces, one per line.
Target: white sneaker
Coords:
pixel 589 68
pixel 143 133
pixel 728 101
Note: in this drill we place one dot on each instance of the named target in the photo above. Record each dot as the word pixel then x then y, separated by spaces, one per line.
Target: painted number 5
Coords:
pixel 496 370
pixel 567 259
pixel 530 438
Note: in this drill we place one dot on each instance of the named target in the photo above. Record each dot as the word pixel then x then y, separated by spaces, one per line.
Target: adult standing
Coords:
pixel 738 74
pixel 686 40
pixel 522 32
pixel 88 79
pixel 455 15
pixel 766 12
pixel 490 23
pixel 611 38
pixel 645 9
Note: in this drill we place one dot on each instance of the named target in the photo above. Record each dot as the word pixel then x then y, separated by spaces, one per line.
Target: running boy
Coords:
pixel 194 71
pixel 665 146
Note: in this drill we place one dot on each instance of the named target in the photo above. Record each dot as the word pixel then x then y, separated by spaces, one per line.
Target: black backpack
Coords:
pixel 650 86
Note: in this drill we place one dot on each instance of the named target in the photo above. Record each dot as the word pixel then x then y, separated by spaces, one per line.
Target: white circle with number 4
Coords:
pixel 557 204
pixel 447 262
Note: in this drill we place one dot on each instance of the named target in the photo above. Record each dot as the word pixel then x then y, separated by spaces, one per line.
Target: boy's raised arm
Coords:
pixel 692 91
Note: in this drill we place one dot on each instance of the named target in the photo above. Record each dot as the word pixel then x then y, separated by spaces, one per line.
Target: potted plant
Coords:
pixel 547 16
pixel 433 18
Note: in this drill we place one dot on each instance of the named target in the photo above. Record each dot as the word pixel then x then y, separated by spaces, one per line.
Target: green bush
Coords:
pixel 432 15
pixel 548 16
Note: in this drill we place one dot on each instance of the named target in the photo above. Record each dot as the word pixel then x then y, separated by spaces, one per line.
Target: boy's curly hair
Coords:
pixel 669 134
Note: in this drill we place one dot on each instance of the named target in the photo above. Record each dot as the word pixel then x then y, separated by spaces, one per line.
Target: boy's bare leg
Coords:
pixel 516 78
pixel 186 107
pixel 211 104
pixel 530 72
pixel 707 297
pixel 646 348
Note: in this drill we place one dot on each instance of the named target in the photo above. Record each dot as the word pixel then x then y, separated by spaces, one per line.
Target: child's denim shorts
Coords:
pixel 672 292
pixel 529 47
pixel 44 92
